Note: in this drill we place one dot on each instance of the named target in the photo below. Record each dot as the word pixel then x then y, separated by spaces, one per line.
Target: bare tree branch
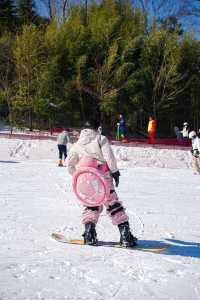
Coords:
pixel 186 11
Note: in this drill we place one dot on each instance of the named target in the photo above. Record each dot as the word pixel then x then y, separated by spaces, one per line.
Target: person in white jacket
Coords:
pixel 185 130
pixel 96 146
pixel 195 143
pixel 185 133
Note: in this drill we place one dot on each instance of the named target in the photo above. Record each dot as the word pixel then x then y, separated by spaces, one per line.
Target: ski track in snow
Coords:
pixel 160 190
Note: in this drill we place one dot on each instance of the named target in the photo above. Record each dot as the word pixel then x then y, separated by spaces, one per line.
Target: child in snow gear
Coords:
pixel 62 141
pixel 95 146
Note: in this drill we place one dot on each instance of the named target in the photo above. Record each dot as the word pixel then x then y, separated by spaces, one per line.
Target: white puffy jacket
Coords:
pixel 91 144
pixel 185 132
pixel 196 144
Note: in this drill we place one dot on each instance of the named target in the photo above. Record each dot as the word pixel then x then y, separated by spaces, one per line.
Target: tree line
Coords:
pixel 97 59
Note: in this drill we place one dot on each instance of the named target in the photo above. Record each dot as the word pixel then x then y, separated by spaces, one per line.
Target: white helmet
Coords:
pixel 192 134
pixel 185 123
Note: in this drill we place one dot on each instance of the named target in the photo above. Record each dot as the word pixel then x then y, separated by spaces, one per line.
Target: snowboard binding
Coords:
pixel 127 240
pixel 90 235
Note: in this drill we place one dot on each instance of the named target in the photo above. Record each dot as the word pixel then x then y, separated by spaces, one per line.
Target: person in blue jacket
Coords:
pixel 122 126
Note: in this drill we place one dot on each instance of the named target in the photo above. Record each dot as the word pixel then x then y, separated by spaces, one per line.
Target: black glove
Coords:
pixel 116 177
pixel 196 153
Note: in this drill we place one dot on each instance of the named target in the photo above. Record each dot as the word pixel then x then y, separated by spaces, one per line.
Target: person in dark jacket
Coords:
pixel 122 126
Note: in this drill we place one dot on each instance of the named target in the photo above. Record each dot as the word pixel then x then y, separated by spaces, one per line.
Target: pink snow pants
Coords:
pixel 114 207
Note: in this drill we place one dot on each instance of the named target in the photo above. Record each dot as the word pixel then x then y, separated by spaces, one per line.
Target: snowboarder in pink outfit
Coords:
pixel 92 146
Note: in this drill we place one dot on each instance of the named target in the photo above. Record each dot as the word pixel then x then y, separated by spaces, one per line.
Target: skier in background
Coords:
pixel 185 133
pixel 122 126
pixel 195 143
pixel 195 148
pixel 178 134
pixel 91 145
pixel 62 140
pixel 118 132
pixel 151 130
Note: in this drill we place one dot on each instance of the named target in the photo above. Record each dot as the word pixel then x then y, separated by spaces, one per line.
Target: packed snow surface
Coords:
pixel 161 192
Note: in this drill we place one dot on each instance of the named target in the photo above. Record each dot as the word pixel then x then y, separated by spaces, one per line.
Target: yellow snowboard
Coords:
pixel 145 247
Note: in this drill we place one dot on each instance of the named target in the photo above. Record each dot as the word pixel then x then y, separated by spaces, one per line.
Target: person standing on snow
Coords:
pixel 185 133
pixel 122 126
pixel 151 130
pixel 62 140
pixel 195 143
pixel 195 148
pixel 178 134
pixel 185 130
pixel 93 146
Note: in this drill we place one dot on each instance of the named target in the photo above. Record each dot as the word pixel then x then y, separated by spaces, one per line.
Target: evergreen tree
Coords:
pixel 26 12
pixel 29 56
pixel 7 75
pixel 100 62
pixel 7 15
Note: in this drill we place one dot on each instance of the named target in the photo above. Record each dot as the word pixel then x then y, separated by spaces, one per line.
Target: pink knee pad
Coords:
pixel 119 218
pixel 89 184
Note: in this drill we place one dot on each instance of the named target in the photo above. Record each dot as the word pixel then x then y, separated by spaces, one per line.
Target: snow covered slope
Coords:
pixel 161 191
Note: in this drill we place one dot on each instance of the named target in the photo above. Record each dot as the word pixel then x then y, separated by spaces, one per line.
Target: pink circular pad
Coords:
pixel 90 186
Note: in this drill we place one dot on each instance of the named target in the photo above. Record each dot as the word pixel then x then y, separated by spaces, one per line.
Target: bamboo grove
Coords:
pixel 101 60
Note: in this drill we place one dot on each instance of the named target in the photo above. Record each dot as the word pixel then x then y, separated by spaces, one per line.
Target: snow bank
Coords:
pixel 160 191
pixel 153 157
pixel 126 156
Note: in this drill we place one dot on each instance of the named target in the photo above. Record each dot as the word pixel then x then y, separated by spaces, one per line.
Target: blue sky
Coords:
pixel 41 8
pixel 190 23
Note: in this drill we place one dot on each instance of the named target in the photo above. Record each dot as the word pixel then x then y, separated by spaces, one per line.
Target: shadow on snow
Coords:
pixel 9 161
pixel 175 247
